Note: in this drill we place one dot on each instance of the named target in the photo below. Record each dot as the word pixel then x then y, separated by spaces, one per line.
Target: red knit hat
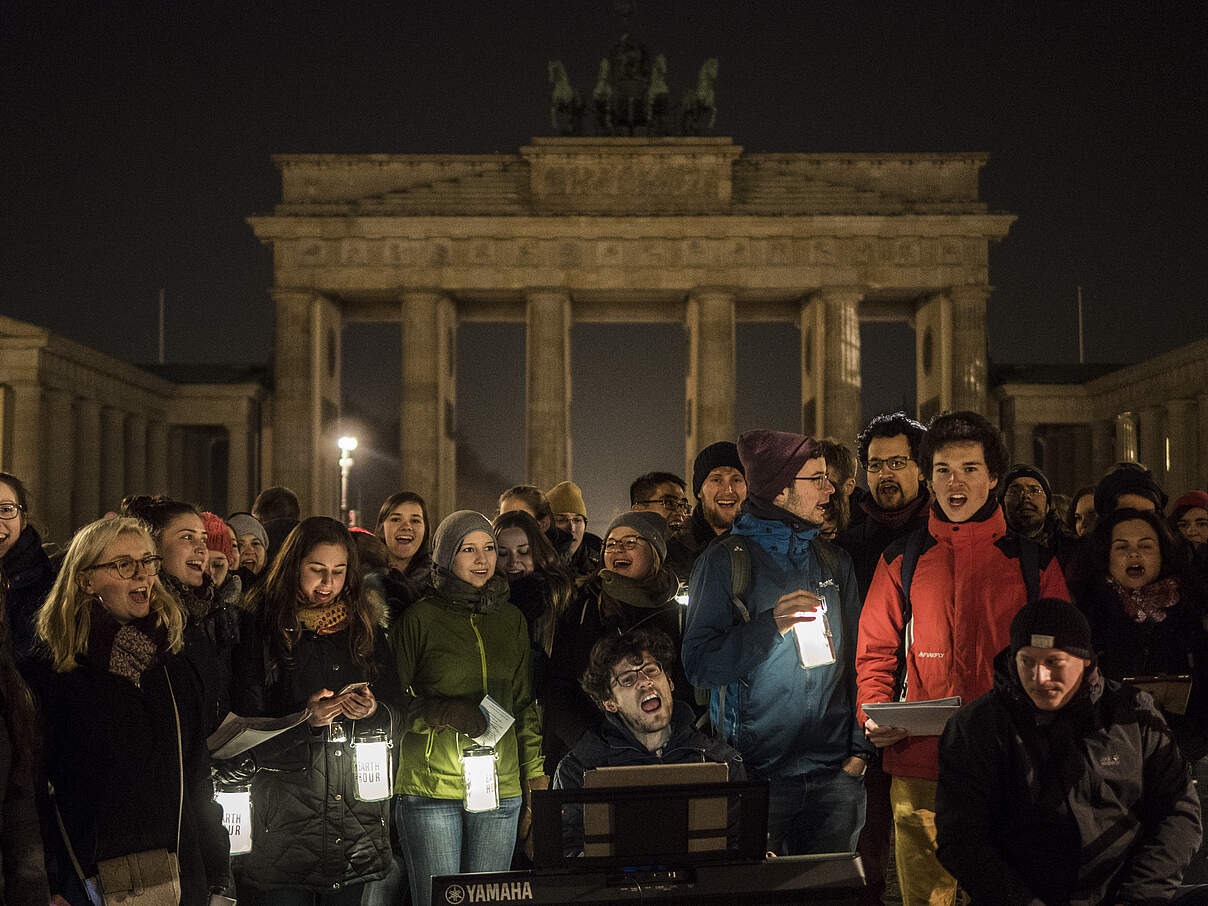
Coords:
pixel 218 536
pixel 1189 501
pixel 772 459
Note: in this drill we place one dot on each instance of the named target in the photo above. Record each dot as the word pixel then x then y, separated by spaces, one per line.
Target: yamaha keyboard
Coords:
pixel 832 878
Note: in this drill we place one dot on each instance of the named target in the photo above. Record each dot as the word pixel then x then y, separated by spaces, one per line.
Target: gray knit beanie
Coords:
pixel 246 524
pixel 452 531
pixel 650 526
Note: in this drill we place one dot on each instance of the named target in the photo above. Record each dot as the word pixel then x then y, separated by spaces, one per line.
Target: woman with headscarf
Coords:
pixel 457 645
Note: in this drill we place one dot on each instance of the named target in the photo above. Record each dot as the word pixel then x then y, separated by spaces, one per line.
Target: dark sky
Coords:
pixel 136 138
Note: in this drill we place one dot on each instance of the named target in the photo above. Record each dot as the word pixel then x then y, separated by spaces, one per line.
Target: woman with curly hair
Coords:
pixel 316 644
pixel 122 720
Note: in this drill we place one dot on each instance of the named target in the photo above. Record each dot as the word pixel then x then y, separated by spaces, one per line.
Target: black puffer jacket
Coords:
pixel 110 752
pixel 30 575
pixel 1090 804
pixel 308 828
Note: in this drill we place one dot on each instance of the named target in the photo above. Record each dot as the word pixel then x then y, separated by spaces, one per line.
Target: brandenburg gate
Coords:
pixel 577 230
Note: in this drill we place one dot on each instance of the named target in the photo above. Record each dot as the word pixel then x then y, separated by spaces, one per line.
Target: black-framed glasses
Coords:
pixel 818 481
pixel 624 544
pixel 895 463
pixel 669 503
pixel 10 510
pixel 629 678
pixel 127 567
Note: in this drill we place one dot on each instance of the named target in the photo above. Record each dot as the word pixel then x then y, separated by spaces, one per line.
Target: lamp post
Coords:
pixel 346 444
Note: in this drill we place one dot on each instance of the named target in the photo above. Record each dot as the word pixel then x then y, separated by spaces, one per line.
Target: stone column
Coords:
pixel 841 415
pixel 1126 438
pixel 27 419
pixel 113 457
pixel 547 387
pixel 1083 470
pixel 86 502
pixel 238 464
pixel 306 369
pixel 969 370
pixel 54 509
pixel 1022 435
pixel 429 453
pixel 1102 449
pixel 712 371
pixel 1153 442
pixel 136 455
pixel 1183 430
pixel 157 457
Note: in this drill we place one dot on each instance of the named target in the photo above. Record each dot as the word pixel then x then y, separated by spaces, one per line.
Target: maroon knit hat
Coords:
pixel 772 459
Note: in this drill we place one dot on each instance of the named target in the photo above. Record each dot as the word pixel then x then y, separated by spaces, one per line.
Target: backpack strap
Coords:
pixel 740 574
pixel 910 559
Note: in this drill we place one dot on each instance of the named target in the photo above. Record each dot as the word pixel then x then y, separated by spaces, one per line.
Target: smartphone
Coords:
pixel 352 687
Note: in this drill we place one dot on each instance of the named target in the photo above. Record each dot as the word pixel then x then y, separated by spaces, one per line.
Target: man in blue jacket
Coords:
pixel 795 726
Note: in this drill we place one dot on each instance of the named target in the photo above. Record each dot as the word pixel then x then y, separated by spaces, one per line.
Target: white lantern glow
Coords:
pixel 236 802
pixel 373 780
pixel 481 777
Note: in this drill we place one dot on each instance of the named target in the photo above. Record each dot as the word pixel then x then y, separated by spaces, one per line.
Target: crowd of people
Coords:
pixel 806 581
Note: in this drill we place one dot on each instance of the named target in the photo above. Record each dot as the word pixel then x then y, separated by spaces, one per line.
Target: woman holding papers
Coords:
pixel 316 644
pixel 1146 607
pixel 459 644
pixel 122 721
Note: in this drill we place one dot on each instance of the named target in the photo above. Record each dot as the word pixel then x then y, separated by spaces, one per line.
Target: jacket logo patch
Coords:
pixel 1042 641
pixel 929 654
pixel 1109 761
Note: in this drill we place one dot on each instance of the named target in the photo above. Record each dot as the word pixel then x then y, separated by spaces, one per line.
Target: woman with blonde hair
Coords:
pixel 122 716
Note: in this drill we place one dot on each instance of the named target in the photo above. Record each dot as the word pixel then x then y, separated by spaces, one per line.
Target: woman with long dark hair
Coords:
pixel 212 626
pixel 316 644
pixel 122 720
pixel 402 524
pixel 538 584
pixel 1146 608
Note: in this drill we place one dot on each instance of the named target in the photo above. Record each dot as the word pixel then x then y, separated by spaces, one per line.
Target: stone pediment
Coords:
pixel 629 176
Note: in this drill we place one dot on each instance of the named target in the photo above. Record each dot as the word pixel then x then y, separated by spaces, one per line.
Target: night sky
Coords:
pixel 137 137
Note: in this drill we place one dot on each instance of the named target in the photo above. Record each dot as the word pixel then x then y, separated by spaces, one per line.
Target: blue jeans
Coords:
pixel 818 812
pixel 440 837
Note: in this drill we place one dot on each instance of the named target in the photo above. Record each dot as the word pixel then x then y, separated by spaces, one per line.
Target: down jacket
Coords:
pixel 308 828
pixel 967 587
pixel 1086 805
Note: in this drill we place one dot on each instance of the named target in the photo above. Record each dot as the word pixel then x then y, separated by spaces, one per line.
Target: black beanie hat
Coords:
pixel 722 453
pixel 1052 623
pixel 1022 470
pixel 1127 479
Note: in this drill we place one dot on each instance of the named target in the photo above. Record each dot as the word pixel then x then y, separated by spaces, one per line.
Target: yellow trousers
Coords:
pixel 920 875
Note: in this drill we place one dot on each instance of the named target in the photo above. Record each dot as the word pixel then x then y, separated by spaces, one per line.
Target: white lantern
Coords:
pixel 372 753
pixel 481 777
pixel 236 802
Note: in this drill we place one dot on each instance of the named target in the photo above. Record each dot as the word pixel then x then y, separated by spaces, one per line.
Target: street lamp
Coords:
pixel 346 444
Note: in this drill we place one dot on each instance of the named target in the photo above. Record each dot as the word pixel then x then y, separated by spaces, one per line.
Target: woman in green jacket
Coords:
pixel 459 643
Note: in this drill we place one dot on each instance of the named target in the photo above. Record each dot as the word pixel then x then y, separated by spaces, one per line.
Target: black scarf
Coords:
pixel 897 519
pixel 460 595
pixel 196 602
pixel 650 593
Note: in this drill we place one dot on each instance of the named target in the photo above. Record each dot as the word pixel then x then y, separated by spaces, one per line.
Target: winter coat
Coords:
pixel 308 828
pixel 588 557
pixel 111 754
pixel 445 647
pixel 22 868
pixel 612 744
pixel 1177 644
pixel 1092 804
pixel 404 589
pixel 591 615
pixel 689 542
pixel 785 720
pixel 209 643
pixel 29 574
pixel 967 587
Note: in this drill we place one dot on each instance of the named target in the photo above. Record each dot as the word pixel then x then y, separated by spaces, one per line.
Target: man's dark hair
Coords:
pixel 890 424
pixel 643 486
pixel 965 427
pixel 276 503
pixel 628 647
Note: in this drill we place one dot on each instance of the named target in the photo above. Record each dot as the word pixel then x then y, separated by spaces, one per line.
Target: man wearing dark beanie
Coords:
pixel 1058 786
pixel 720 486
pixel 794 726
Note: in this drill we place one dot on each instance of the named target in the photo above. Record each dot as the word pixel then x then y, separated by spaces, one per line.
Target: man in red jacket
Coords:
pixel 936 634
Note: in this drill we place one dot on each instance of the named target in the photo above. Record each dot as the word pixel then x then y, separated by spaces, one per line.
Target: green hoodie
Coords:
pixel 462 642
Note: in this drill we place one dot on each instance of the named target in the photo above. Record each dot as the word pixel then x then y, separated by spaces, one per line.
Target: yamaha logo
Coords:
pixel 455 894
pixel 502 892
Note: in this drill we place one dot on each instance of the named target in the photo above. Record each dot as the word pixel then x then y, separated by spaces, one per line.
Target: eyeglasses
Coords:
pixel 819 481
pixel 895 463
pixel 10 510
pixel 629 678
pixel 127 567
pixel 1017 491
pixel 669 503
pixel 624 544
